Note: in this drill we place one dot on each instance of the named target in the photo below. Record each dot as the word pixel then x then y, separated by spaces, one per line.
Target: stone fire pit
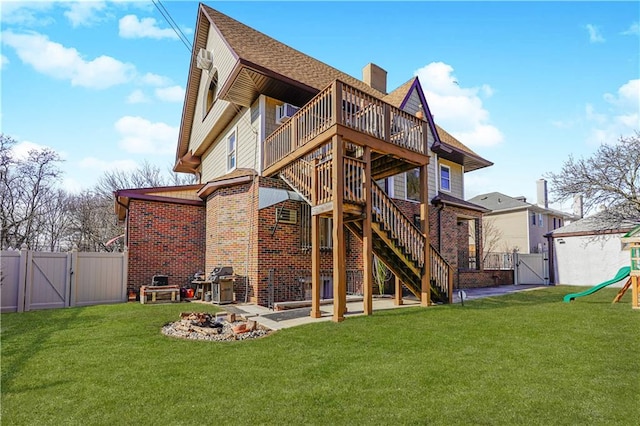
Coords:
pixel 219 328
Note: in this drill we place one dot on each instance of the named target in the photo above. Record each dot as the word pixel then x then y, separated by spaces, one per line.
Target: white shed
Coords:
pixel 589 251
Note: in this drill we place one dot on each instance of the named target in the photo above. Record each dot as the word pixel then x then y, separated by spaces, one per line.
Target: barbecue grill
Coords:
pixel 220 271
pixel 221 284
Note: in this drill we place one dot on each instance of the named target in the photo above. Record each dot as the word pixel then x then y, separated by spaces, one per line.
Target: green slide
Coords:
pixel 622 274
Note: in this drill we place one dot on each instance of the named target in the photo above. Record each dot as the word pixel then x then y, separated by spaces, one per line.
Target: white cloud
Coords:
pixel 621 117
pixel 65 63
pixel 84 13
pixel 170 94
pixel 29 13
pixel 595 36
pixel 132 27
pixel 3 61
pixel 634 29
pixel 140 136
pixel 137 97
pixel 21 150
pixel 457 109
pixel 155 80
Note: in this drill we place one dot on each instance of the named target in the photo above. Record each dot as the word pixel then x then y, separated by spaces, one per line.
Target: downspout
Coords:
pixel 550 253
pixel 440 208
pixel 126 222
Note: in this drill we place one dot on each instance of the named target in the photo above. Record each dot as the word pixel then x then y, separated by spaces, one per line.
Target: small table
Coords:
pixel 201 287
pixel 154 290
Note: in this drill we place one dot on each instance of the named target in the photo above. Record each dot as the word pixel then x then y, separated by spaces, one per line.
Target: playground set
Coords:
pixel 631 242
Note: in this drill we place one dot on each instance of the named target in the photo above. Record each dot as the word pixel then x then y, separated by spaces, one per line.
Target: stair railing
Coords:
pixel 441 273
pixel 299 175
pixel 401 229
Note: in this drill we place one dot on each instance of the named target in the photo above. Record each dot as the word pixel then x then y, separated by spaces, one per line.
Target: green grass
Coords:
pixel 526 358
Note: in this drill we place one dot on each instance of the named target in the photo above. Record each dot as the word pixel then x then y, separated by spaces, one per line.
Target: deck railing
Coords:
pixel 342 104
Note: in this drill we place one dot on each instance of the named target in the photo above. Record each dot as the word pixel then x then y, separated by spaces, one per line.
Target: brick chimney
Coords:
pixel 577 207
pixel 375 77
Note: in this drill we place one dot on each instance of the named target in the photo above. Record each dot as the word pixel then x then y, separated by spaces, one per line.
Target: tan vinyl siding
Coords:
pixel 270 121
pixel 246 125
pixel 223 62
pixel 248 135
pixel 412 106
pixel 399 186
pixel 190 194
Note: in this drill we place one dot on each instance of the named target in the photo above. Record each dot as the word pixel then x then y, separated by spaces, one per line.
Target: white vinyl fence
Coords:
pixel 39 280
pixel 532 268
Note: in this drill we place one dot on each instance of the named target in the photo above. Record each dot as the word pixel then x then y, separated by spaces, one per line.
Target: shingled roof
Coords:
pixel 257 51
pixel 445 143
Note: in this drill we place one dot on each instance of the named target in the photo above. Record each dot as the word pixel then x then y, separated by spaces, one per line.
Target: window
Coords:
pixel 540 221
pixel 231 151
pixel 413 185
pixel 326 233
pixel 533 219
pixel 211 92
pixel 445 178
pixel 326 229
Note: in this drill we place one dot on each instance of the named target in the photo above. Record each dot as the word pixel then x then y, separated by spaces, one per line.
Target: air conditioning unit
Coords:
pixel 204 60
pixel 286 216
pixel 285 112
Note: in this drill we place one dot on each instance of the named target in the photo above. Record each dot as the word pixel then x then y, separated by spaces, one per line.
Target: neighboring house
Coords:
pixel 589 251
pixel 306 171
pixel 522 226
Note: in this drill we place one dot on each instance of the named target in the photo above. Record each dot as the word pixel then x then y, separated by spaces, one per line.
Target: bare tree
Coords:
pixel 146 176
pixel 610 177
pixel 491 237
pixel 93 223
pixel 26 188
pixel 56 220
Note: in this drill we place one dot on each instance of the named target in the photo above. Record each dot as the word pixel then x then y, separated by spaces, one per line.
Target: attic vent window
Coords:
pixel 211 91
pixel 286 216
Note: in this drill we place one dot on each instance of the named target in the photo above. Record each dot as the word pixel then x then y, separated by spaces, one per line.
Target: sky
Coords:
pixel 525 85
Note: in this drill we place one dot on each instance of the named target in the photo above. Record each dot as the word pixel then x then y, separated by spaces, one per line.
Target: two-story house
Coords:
pixel 522 226
pixel 305 173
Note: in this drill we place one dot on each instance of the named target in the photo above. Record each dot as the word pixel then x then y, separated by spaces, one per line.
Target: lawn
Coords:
pixel 526 358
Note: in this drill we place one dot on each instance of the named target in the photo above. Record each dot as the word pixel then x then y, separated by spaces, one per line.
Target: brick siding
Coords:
pixel 164 239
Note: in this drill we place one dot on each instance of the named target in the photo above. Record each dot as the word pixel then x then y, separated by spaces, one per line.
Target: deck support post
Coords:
pixel 425 287
pixel 367 240
pixel 315 246
pixel 339 247
pixel 397 298
pixel 315 267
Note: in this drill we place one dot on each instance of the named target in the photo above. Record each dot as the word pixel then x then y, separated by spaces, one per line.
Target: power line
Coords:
pixel 167 16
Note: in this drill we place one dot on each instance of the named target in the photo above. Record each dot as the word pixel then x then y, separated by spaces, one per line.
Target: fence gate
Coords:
pixel 531 268
pixel 47 280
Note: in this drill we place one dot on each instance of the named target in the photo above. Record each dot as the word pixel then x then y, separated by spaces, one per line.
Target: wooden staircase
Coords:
pixel 397 242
